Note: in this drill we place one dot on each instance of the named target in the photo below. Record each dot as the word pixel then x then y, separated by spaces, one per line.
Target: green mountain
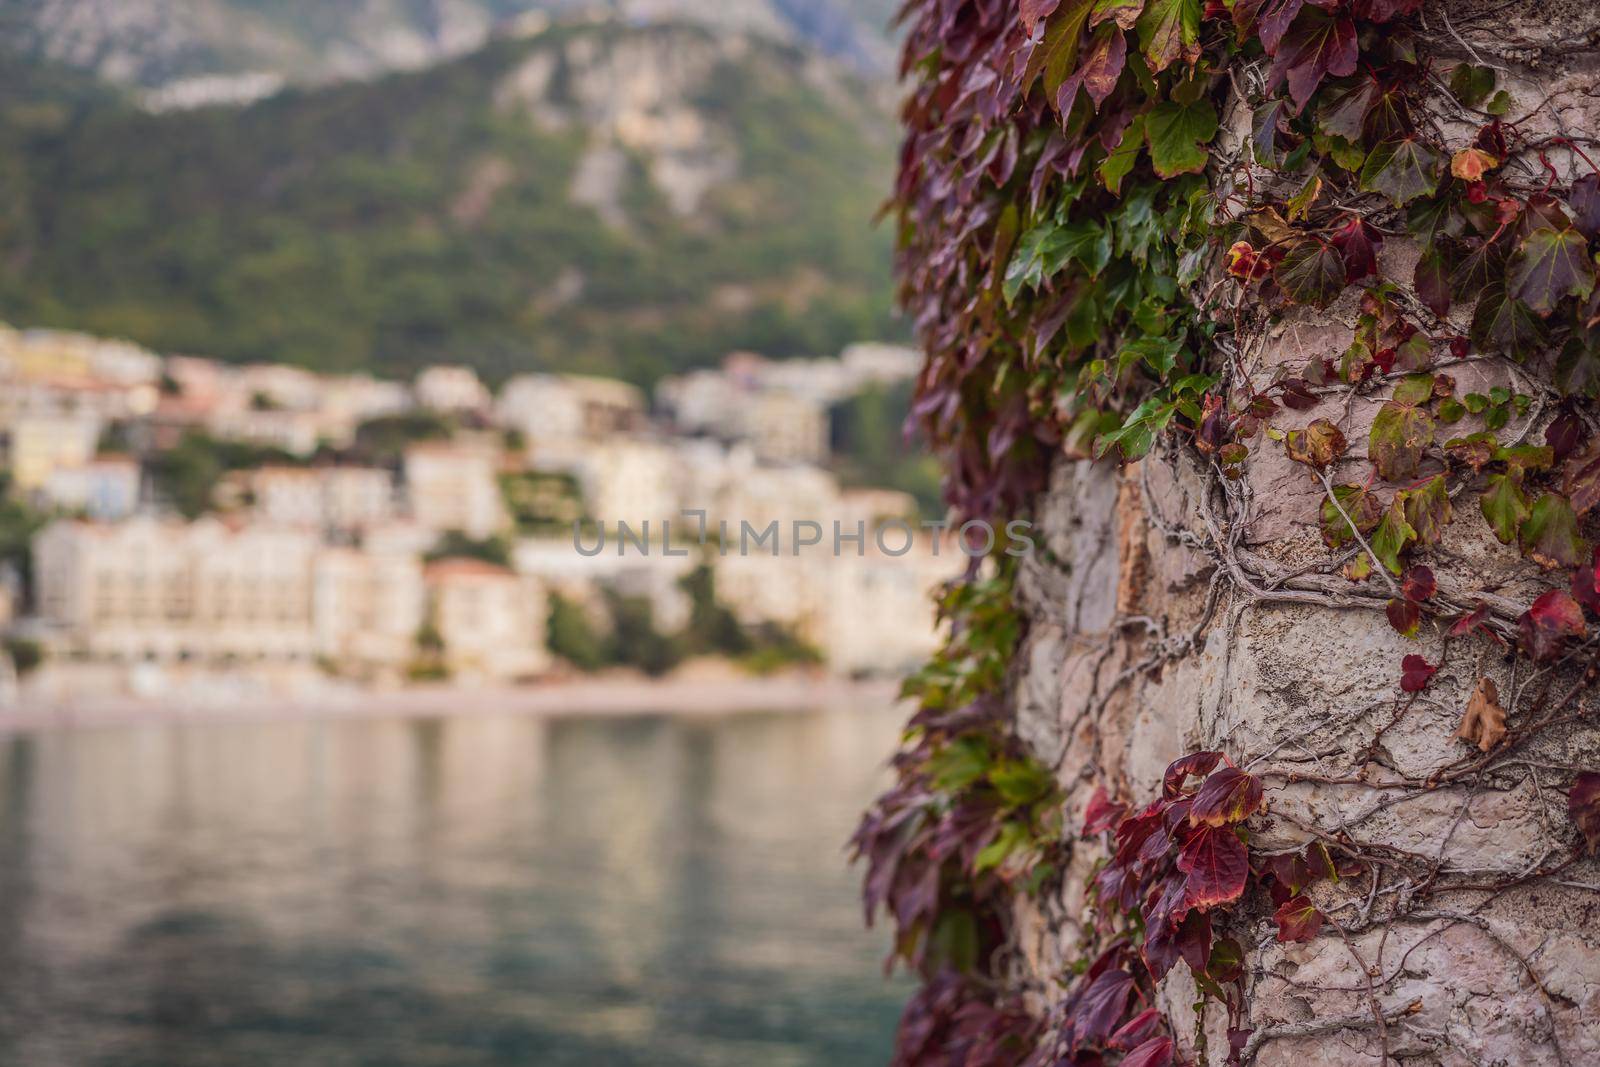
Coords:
pixel 623 200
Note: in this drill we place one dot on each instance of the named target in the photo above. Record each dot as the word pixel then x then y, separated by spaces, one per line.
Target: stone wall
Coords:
pixel 1171 611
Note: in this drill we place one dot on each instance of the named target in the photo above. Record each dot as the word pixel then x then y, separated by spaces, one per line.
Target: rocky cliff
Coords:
pixel 187 52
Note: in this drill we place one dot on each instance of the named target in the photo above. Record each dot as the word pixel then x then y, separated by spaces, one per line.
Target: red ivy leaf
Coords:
pixel 1099 70
pixel 1565 434
pixel 1270 19
pixel 1137 1030
pixel 1157 1052
pixel 1102 813
pixel 1583 805
pixel 1414 674
pixel 1419 583
pixel 1317 45
pixel 1470 621
pixel 1585 202
pixel 1581 481
pixel 1358 243
pixel 1198 764
pixel 1228 796
pixel 1586 584
pixel 1097 1010
pixel 1169 30
pixel 1298 920
pixel 1404 615
pixel 1217 866
pixel 1432 281
pixel 1547 625
pixel 1035 10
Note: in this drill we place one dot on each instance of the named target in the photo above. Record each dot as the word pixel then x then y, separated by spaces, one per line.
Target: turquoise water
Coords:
pixel 468 891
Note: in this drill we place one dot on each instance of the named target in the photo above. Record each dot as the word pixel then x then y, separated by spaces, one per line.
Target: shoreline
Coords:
pixel 605 697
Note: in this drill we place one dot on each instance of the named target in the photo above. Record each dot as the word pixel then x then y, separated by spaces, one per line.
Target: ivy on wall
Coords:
pixel 1100 202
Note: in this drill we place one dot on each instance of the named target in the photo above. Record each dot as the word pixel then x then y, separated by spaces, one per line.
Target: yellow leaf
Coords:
pixel 1471 164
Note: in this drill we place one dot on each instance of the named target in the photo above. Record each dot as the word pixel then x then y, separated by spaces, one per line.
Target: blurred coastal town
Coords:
pixel 172 522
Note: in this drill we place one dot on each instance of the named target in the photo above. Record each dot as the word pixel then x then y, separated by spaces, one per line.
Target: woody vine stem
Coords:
pixel 1116 217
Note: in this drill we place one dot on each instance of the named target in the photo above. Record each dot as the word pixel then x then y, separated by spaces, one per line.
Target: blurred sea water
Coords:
pixel 469 890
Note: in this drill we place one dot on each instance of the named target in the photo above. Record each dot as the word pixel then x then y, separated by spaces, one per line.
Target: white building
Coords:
pixel 450 388
pixel 867 612
pixel 368 605
pixel 656 577
pixel 106 488
pixel 150 589
pixel 39 444
pixel 455 486
pixel 297 433
pixel 778 408
pixel 560 415
pixel 490 619
pixel 327 498
pixel 630 480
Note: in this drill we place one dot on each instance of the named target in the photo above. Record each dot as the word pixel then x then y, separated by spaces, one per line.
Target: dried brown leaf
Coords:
pixel 1484 723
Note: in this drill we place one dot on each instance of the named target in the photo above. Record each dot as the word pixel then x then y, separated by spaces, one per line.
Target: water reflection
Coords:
pixel 486 890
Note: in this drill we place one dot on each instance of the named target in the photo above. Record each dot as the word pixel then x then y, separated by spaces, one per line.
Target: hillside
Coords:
pixel 624 201
pixel 184 50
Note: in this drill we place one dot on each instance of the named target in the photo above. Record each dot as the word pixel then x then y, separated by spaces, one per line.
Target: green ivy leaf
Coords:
pixel 1549 265
pixel 1021 782
pixel 1124 13
pixel 1177 134
pixel 1401 169
pixel 1549 536
pixel 1268 121
pixel 1169 30
pixel 1342 107
pixel 1159 353
pixel 1431 217
pixel 1428 509
pixel 1057 55
pixel 1312 272
pixel 1318 445
pixel 1482 267
pixel 1414 389
pixel 1138 433
pixel 1400 432
pixel 1505 506
pixel 1122 159
pixel 1502 323
pixel 960 763
pixel 1470 84
pixel 1392 537
pixel 1049 246
pixel 1361 506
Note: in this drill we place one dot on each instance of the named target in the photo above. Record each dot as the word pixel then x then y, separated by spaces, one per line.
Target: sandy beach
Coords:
pixel 692 695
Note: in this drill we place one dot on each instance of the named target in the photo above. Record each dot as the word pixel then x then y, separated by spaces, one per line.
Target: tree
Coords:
pixel 573 637
pixel 453 544
pixel 1279 320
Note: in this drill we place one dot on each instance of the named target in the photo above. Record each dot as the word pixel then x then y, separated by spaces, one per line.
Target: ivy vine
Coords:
pixel 1100 204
